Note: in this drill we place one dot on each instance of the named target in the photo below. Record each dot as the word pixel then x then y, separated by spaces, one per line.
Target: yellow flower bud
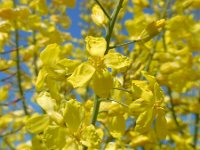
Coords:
pixel 152 30
pixel 169 67
pixel 98 15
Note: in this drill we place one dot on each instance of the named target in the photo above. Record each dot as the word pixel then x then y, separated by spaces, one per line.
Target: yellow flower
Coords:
pixel 54 69
pixel 148 106
pixel 95 69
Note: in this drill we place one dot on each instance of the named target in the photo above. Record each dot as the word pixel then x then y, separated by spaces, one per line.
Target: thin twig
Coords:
pixel 7 78
pixel 112 24
pixel 123 89
pixel 7 52
pixel 19 80
pixel 112 100
pixel 11 132
pixel 173 112
pixel 124 44
pixel 10 103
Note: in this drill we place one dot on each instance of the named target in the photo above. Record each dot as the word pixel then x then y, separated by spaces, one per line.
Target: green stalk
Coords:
pixel 95 110
pixel 19 80
pixel 196 128
pixel 94 114
pixel 35 55
pixel 124 44
pixel 112 24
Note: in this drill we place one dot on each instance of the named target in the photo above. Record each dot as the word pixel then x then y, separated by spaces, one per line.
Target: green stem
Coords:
pixel 112 100
pixel 95 110
pixel 124 44
pixel 102 8
pixel 19 80
pixel 35 57
pixel 112 24
pixel 123 89
pixel 94 113
pixel 196 128
pixel 173 112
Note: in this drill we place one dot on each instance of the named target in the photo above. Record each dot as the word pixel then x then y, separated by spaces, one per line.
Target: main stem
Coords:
pixel 94 113
pixel 19 80
pixel 95 110
pixel 112 24
pixel 108 37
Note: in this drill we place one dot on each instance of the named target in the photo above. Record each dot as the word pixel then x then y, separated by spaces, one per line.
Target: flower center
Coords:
pixel 97 62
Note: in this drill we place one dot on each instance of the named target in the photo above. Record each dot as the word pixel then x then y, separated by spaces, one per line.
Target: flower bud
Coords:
pixel 98 15
pixel 152 30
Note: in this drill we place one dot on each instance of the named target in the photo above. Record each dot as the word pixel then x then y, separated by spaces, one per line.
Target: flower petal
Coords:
pixel 96 46
pixel 81 75
pixel 102 83
pixel 117 61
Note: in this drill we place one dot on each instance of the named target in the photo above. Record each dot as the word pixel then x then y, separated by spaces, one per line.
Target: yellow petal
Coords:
pixel 144 121
pixel 169 67
pixel 37 123
pixel 73 115
pixel 45 101
pixel 41 79
pixel 4 93
pixel 90 137
pixel 69 64
pixel 161 126
pixel 37 143
pixel 55 137
pixel 117 61
pixel 81 75
pixel 158 93
pixel 150 78
pixel 117 126
pixel 138 106
pixel 50 55
pixel 102 83
pixel 96 46
pixel 54 88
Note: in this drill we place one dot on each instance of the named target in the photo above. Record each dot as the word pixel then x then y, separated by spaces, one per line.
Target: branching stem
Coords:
pixel 124 44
